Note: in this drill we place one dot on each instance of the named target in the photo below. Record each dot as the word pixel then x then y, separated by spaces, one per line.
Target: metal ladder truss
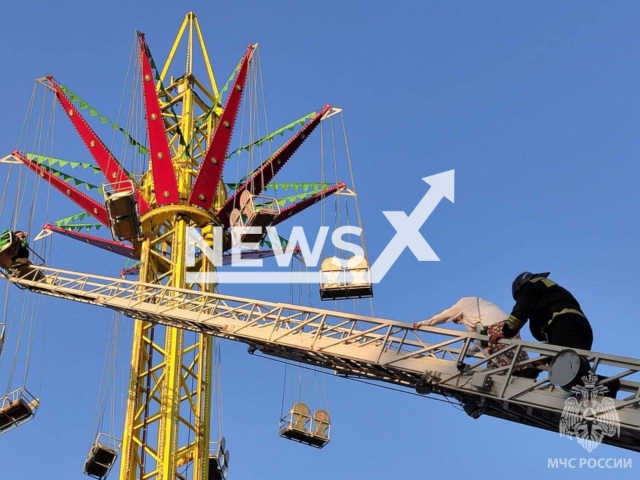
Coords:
pixel 359 346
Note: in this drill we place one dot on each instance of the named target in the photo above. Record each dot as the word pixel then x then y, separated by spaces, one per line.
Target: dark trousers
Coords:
pixel 574 331
pixel 571 331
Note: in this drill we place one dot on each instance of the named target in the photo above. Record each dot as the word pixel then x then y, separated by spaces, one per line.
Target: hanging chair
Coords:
pixel 9 247
pixel 254 211
pixel 16 408
pixel 342 283
pixel 298 425
pixel 218 460
pixel 321 424
pixel 101 456
pixel 122 209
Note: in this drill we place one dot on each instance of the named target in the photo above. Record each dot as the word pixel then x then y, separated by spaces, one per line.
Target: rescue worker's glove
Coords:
pixel 508 332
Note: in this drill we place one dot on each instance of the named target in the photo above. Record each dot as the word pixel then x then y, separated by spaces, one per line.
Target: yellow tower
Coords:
pixel 167 428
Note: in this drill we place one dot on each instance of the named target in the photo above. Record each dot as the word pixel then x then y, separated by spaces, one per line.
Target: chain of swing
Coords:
pixel 23 320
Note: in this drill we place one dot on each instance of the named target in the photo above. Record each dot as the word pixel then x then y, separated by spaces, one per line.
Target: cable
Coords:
pixel 446 398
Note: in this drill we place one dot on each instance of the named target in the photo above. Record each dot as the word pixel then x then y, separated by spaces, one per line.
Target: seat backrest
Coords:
pixel 8 242
pixel 357 262
pixel 322 422
pixel 8 249
pixel 299 416
pixel 122 204
pixel 246 202
pixel 329 265
pixel 235 220
pixel 359 270
pixel 6 239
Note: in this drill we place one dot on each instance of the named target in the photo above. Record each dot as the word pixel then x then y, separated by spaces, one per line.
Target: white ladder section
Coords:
pixel 359 346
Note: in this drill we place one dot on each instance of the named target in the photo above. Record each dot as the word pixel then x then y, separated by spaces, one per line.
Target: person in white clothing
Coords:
pixel 470 311
pixel 481 316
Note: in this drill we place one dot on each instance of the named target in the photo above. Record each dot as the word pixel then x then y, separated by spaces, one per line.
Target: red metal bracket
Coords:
pixel 88 204
pixel 265 174
pixel 115 174
pixel 298 207
pixel 103 243
pixel 206 184
pixel 164 176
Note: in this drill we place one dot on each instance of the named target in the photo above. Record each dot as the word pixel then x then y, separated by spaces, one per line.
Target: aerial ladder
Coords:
pixel 433 360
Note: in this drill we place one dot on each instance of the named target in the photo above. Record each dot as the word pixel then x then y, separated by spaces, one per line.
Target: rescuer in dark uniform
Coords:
pixel 554 314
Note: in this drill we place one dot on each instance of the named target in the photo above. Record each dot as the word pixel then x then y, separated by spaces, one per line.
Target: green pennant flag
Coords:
pixel 283 242
pixel 280 132
pixel 69 179
pixel 301 196
pixel 72 218
pixel 81 226
pixel 41 159
pixel 94 113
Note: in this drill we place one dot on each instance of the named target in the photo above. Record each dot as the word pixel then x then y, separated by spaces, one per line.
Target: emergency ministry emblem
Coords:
pixel 588 418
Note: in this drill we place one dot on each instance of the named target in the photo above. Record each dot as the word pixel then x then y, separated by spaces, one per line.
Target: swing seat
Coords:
pixel 218 460
pixel 7 248
pixel 255 211
pixel 101 457
pixel 17 408
pixel 298 425
pixel 343 283
pixel 321 424
pixel 123 212
pixel 9 245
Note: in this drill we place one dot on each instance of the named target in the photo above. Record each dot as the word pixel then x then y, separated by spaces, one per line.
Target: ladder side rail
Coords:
pixel 216 325
pixel 537 398
pixel 551 350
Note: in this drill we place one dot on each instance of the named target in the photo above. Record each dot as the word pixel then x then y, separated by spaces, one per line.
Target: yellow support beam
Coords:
pixel 167 426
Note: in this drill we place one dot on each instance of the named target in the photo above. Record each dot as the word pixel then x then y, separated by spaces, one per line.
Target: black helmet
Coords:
pixel 523 278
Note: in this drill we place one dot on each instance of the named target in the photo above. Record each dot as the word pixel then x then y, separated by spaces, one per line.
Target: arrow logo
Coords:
pixel 408 227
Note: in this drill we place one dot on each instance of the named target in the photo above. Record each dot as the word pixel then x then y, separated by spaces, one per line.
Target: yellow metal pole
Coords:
pixel 167 425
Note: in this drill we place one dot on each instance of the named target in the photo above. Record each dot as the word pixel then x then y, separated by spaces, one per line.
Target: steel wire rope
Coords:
pixel 23 137
pixel 16 354
pixel 37 144
pixel 385 387
pixel 123 150
pixel 46 137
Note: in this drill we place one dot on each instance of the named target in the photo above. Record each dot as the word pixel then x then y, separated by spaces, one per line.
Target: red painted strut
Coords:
pixel 103 243
pixel 115 174
pixel 88 204
pixel 164 176
pixel 265 174
pixel 206 184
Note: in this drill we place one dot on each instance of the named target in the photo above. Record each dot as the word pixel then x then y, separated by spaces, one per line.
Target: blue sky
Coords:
pixel 535 107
